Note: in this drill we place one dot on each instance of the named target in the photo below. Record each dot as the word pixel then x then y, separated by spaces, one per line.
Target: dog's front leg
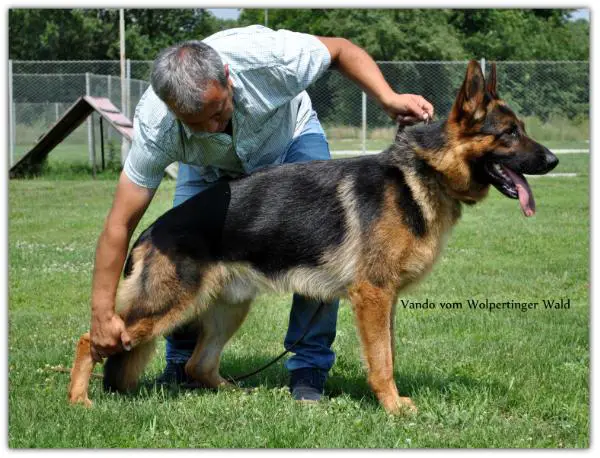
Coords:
pixel 373 308
pixel 81 372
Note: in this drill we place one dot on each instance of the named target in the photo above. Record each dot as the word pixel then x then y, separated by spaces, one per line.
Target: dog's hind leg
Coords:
pixel 81 372
pixel 218 323
pixel 373 308
pixel 123 370
pixel 159 295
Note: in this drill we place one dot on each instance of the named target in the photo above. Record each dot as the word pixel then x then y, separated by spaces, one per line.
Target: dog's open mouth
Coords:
pixel 513 185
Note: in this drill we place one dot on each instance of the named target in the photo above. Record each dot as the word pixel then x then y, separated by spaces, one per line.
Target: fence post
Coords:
pixel 108 90
pixel 11 115
pixel 128 88
pixel 483 65
pixel 90 127
pixel 56 111
pixel 125 74
pixel 364 123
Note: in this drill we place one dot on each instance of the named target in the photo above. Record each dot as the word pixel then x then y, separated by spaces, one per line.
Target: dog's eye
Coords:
pixel 512 132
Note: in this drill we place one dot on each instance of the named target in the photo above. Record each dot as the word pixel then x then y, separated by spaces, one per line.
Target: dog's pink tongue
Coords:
pixel 525 194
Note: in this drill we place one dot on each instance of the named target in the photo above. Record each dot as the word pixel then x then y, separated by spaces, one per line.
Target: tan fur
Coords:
pixel 219 322
pixel 373 307
pixel 83 365
pixel 370 267
pixel 341 262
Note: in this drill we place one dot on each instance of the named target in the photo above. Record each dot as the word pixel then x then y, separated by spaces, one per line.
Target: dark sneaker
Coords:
pixel 307 384
pixel 174 374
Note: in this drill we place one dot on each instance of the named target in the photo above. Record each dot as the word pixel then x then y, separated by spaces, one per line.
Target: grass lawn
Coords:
pixel 355 144
pixel 67 152
pixel 506 378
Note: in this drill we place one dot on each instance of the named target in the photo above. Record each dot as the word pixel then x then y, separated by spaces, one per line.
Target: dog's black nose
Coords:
pixel 551 160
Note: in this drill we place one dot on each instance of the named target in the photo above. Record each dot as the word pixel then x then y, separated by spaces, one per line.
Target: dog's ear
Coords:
pixel 471 99
pixel 491 81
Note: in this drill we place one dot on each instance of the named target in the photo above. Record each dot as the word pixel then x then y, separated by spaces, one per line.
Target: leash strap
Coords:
pixel 270 363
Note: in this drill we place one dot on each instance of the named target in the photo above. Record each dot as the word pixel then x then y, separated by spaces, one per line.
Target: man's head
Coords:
pixel 192 80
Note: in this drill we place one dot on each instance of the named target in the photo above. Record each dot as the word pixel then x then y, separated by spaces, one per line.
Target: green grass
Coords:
pixel 480 379
pixel 573 163
pixel 69 152
pixel 355 144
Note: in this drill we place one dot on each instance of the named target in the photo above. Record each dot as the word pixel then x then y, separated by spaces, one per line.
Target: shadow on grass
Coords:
pixel 350 381
pixel 356 386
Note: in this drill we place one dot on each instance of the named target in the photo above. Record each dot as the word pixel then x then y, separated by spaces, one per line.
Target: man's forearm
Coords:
pixel 110 257
pixel 356 64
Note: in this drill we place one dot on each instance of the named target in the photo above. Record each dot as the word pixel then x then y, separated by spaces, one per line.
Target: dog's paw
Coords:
pixel 84 400
pixel 403 406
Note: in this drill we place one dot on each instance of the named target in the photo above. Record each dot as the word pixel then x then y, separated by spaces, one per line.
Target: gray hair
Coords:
pixel 181 73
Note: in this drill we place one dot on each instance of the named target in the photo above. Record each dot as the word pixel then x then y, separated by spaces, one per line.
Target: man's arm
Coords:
pixel 108 333
pixel 356 64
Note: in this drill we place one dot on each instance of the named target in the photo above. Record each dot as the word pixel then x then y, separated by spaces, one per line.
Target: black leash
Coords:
pixel 308 326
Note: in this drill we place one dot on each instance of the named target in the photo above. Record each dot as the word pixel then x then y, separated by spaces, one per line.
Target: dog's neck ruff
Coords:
pixel 410 144
pixel 428 148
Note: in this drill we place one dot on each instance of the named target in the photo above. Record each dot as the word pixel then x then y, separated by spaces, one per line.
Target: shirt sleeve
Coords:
pixel 301 58
pixel 273 67
pixel 146 162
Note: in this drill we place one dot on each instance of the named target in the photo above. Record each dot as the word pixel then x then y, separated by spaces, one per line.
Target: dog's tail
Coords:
pixel 123 370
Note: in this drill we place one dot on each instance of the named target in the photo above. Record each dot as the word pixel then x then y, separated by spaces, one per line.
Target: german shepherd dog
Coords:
pixel 361 228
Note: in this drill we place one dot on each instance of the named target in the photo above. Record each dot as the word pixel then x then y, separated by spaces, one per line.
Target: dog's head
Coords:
pixel 488 145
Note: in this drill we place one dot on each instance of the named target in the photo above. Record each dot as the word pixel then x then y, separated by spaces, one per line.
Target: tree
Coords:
pixel 520 34
pixel 401 34
pixel 90 34
pixel 60 34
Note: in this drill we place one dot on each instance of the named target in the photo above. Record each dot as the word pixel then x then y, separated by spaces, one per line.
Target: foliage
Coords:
pixel 442 34
pixel 387 34
pixel 89 34
pixel 519 34
pixel 58 34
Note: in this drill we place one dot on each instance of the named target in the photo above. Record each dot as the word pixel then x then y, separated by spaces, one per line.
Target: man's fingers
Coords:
pixel 427 108
pixel 421 108
pixel 126 341
pixel 407 120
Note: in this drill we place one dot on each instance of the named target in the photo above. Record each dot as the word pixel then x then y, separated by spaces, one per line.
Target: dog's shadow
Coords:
pixel 350 381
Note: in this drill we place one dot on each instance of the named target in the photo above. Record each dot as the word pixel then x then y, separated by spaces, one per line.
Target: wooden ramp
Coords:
pixel 72 119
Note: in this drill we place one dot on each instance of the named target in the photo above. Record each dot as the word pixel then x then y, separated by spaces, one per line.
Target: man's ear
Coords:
pixel 471 99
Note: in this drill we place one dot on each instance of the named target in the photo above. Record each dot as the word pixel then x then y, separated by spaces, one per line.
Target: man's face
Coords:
pixel 218 109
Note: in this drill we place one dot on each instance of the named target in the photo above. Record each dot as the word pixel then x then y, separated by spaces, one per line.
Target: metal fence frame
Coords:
pixel 137 74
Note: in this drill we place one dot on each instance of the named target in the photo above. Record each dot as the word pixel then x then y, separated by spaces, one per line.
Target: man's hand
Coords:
pixel 108 336
pixel 408 109
pixel 356 64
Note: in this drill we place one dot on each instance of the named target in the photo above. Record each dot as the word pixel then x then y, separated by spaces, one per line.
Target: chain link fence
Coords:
pixel 42 91
pixel 553 97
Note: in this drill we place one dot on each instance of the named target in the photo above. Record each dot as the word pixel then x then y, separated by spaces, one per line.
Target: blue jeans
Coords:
pixel 314 351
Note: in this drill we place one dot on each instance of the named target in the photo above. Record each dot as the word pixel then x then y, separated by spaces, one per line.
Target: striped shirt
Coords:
pixel 270 71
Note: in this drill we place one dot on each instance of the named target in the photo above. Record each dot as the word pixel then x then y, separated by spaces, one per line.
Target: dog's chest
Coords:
pixel 420 254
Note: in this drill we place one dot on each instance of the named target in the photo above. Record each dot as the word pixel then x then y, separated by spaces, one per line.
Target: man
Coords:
pixel 224 107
